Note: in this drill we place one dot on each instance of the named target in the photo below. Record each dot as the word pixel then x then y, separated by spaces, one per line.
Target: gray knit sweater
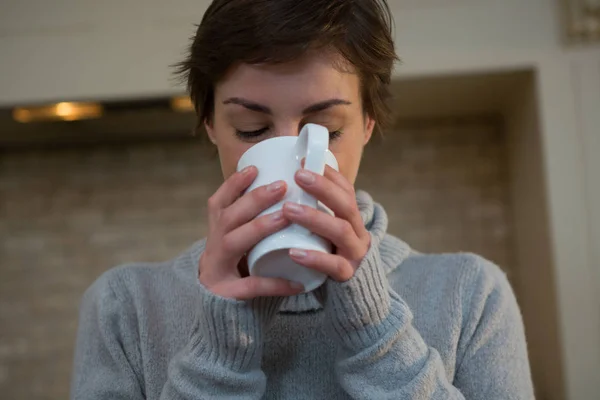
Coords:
pixel 406 326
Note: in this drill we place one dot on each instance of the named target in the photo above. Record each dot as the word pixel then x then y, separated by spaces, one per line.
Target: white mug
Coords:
pixel 279 158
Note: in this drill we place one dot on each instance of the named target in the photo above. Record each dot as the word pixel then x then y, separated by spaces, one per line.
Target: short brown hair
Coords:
pixel 278 31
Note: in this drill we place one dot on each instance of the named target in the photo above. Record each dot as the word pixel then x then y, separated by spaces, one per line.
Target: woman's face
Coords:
pixel 257 102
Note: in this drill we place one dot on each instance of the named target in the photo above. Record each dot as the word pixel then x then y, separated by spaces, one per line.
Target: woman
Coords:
pixel 388 323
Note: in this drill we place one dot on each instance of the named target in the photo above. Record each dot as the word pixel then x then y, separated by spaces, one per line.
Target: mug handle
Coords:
pixel 312 145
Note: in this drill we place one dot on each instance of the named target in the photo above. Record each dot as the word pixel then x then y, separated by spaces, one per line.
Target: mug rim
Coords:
pixel 281 138
pixel 250 150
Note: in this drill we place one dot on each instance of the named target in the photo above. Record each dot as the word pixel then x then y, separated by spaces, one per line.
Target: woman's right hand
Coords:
pixel 234 230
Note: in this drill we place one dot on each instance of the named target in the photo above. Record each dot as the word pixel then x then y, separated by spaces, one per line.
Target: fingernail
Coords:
pixel 297 253
pixel 275 186
pixel 277 216
pixel 294 208
pixel 246 170
pixel 297 286
pixel 305 176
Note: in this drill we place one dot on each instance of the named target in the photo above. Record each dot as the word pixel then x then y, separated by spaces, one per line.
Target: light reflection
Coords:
pixel 63 111
pixel 182 104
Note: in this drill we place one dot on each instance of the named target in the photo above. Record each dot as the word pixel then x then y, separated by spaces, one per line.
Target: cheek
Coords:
pixel 230 151
pixel 348 158
pixel 229 161
pixel 348 167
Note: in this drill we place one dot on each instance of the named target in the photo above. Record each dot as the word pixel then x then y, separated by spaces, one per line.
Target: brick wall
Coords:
pixel 66 215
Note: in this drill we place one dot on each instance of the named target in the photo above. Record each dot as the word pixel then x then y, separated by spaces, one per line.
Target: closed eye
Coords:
pixel 251 134
pixel 335 134
pixel 255 134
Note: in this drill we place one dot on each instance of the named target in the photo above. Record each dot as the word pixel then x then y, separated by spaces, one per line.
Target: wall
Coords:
pixel 68 215
pixel 72 49
pixel 569 181
pixel 586 82
pixel 535 277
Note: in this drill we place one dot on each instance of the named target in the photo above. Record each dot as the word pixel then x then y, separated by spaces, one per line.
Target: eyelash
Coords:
pixel 250 134
pixel 254 134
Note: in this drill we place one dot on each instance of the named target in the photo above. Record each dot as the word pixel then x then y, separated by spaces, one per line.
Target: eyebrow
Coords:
pixel 314 108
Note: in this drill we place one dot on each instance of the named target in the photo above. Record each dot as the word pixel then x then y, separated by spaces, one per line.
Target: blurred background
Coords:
pixel 494 150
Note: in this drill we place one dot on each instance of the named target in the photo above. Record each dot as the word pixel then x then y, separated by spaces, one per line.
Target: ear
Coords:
pixel 208 125
pixel 369 127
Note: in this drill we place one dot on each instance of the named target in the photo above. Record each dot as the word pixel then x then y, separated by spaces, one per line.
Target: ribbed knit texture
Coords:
pixel 231 333
pixel 406 326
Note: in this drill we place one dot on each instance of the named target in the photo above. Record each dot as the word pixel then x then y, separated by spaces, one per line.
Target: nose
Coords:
pixel 288 128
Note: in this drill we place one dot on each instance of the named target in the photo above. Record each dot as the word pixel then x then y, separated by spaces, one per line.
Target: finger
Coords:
pixel 256 286
pixel 336 177
pixel 339 231
pixel 237 242
pixel 232 188
pixel 332 195
pixel 251 204
pixel 339 179
pixel 335 266
pixel 342 202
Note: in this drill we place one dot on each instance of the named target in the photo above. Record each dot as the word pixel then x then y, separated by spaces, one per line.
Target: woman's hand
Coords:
pixel 346 230
pixel 233 230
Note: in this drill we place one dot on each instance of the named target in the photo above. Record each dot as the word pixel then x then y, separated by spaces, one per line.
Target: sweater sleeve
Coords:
pixel 382 356
pixel 221 360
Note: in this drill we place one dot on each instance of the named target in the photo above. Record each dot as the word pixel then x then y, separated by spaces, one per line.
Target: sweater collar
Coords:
pixel 392 251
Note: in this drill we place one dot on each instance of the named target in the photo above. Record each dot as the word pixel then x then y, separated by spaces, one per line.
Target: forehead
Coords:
pixel 313 77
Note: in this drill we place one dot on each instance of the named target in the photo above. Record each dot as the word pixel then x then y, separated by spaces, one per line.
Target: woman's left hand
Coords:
pixel 345 230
